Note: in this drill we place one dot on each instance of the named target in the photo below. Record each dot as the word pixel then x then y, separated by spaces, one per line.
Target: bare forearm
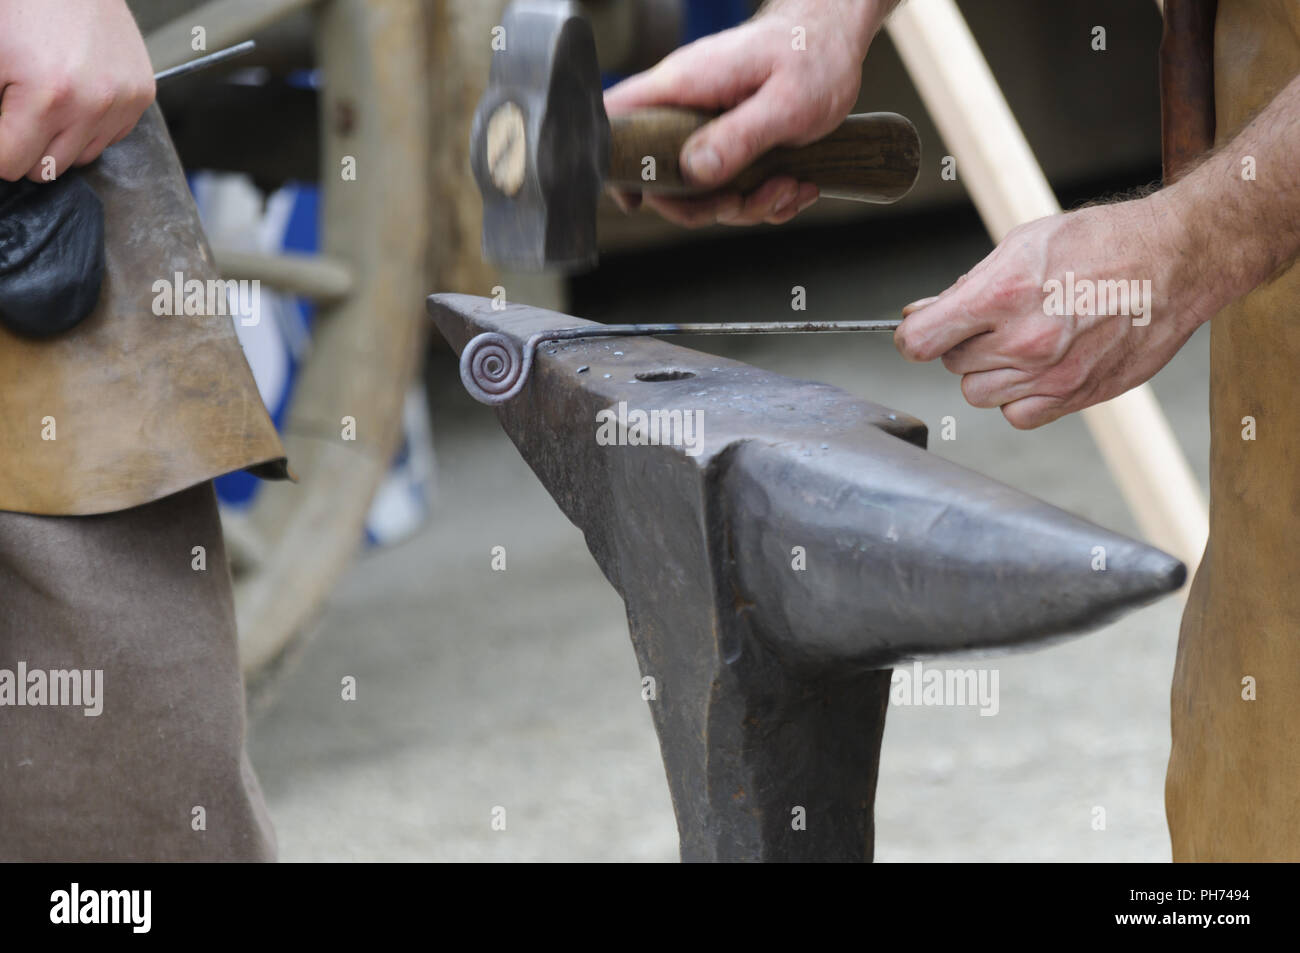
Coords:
pixel 1237 215
pixel 861 19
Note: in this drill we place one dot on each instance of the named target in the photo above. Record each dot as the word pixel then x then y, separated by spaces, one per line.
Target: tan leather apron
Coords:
pixel 131 406
pixel 1233 788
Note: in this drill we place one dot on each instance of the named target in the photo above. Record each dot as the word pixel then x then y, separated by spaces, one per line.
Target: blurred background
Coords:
pixel 478 689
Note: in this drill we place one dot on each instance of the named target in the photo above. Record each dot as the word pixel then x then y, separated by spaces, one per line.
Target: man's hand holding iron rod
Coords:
pixel 1201 243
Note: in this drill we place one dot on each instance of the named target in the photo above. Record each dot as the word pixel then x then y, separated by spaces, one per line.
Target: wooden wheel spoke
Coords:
pixel 370 278
pixel 319 278
pixel 246 548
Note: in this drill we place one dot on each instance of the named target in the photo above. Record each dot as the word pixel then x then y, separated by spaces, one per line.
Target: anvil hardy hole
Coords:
pixel 667 375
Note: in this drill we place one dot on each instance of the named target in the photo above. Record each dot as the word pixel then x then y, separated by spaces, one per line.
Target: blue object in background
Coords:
pixel 275 350
pixel 288 220
pixel 712 16
pixel 701 18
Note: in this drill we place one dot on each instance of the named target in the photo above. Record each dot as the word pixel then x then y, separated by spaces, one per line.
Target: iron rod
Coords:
pixel 728 327
pixel 203 62
pixel 494 368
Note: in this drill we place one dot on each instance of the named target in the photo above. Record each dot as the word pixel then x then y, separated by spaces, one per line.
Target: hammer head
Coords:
pixel 540 141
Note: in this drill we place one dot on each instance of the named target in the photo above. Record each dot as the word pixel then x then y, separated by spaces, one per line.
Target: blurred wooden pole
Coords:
pixel 1009 188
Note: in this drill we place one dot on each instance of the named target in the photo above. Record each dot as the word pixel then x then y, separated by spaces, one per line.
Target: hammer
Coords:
pixel 542 146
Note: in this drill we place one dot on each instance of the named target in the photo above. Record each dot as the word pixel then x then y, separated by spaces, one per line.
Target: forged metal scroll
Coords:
pixel 493 369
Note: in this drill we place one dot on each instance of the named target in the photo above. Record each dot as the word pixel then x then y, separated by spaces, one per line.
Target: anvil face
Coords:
pixel 780 544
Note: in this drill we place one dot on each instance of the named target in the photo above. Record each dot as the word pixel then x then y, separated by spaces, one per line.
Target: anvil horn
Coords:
pixel 804 537
pixel 915 556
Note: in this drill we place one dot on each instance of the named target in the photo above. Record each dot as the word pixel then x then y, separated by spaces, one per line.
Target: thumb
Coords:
pixel 719 150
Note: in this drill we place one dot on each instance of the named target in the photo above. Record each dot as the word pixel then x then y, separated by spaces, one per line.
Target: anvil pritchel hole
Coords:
pixel 671 374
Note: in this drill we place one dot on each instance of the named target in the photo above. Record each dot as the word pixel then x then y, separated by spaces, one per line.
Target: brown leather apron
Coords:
pixel 1233 788
pixel 138 405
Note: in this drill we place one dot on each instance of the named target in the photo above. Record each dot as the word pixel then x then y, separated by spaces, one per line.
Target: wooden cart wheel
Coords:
pixel 369 281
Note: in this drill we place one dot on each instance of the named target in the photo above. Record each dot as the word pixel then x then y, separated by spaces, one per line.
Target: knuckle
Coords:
pixel 827 114
pixel 99 101
pixel 975 393
pixel 1070 381
pixel 144 93
pixel 909 345
pixel 1020 417
pixel 1075 381
pixel 60 91
pixel 1043 344
pixel 802 117
pixel 746 145
pixel 10 170
pixel 1004 291
pixel 1015 233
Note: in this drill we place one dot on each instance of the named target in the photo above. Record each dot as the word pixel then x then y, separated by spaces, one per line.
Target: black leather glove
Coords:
pixel 51 255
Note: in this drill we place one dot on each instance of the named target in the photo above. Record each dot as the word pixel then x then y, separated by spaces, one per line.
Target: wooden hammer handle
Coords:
pixel 871 157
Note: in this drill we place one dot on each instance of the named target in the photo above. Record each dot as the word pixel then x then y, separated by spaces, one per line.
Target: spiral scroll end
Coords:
pixel 493 368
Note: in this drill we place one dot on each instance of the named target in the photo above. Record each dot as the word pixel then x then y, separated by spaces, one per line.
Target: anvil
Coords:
pixel 776 569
